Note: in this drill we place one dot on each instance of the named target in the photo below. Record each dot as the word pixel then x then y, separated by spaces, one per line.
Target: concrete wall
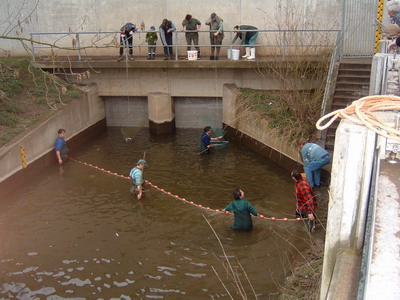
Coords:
pixel 256 129
pixel 75 118
pixel 198 112
pixel 110 15
pixel 178 82
pixel 349 191
pixel 126 111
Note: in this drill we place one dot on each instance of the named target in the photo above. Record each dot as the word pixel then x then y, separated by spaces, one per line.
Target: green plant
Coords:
pixel 11 107
pixel 75 94
pixel 8 119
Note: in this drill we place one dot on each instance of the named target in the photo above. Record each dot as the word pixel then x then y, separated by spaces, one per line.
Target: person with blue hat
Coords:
pixel 151 39
pixel 136 177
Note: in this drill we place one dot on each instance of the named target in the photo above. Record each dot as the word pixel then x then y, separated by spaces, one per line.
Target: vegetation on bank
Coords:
pixel 28 95
pixel 292 110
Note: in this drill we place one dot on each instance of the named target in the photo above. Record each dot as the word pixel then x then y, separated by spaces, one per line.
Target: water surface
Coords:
pixel 76 233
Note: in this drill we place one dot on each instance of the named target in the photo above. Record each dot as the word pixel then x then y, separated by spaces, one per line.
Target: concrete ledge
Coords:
pixel 76 117
pixel 15 181
pixel 345 277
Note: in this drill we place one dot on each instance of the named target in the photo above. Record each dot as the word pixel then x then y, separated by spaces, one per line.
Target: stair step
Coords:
pixel 351 92
pixel 353 72
pixel 352 65
pixel 352 85
pixel 353 79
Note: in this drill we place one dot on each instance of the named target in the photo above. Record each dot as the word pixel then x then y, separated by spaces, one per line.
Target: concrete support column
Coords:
pixel 230 92
pixel 349 191
pixel 161 113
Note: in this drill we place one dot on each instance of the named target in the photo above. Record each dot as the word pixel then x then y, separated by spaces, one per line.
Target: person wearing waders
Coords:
pixel 306 201
pixel 60 147
pixel 137 180
pixel 242 210
pixel 205 140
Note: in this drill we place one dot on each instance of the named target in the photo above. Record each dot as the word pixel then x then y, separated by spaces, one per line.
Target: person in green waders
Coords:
pixel 242 210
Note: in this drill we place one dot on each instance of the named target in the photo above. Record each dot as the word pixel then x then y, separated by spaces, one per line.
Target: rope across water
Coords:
pixel 177 197
pixel 362 112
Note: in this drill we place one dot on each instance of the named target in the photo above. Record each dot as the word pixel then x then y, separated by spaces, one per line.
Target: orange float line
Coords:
pixel 182 199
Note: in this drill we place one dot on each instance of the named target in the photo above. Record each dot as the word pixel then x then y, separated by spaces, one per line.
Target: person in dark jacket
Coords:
pixel 242 210
pixel 166 30
pixel 126 40
pixel 205 140
pixel 248 38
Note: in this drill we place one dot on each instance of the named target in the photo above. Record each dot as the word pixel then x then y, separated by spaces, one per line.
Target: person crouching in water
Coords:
pixel 242 210
pixel 136 177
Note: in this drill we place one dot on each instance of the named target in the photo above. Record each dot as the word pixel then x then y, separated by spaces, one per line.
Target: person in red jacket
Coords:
pixel 306 201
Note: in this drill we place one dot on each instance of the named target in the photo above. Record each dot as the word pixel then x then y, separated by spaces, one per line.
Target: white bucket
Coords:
pixel 229 53
pixel 192 54
pixel 235 54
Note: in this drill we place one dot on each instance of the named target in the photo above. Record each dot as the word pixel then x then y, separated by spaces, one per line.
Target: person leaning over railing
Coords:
pixel 193 25
pixel 166 29
pixel 248 39
pixel 216 34
pixel 126 40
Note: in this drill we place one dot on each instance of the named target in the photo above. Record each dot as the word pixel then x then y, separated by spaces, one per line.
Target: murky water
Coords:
pixel 75 232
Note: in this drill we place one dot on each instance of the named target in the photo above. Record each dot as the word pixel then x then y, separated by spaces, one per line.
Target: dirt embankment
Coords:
pixel 28 96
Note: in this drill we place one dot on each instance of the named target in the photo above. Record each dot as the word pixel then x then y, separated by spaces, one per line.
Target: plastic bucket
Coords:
pixel 192 54
pixel 229 53
pixel 235 54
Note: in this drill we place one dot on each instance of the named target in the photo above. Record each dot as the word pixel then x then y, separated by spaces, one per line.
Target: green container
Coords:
pixel 220 144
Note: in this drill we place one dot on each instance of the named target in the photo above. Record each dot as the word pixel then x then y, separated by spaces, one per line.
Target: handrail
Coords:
pixel 329 82
pixel 177 33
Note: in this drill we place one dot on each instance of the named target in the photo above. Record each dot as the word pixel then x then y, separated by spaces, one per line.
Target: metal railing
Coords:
pixel 282 42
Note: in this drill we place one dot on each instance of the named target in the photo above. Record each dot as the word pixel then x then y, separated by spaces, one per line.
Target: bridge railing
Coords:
pixel 106 43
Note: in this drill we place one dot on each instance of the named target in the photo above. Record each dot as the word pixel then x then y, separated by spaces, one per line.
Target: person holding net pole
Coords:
pixel 205 140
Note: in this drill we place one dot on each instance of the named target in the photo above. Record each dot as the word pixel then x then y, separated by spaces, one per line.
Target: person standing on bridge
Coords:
pixel 242 210
pixel 151 39
pixel 126 40
pixel 60 147
pixel 137 180
pixel 166 30
pixel 248 34
pixel 314 158
pixel 306 201
pixel 193 25
pixel 216 34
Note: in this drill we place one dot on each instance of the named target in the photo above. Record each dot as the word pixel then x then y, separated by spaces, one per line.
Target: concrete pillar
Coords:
pixel 161 113
pixel 350 180
pixel 378 70
pixel 229 93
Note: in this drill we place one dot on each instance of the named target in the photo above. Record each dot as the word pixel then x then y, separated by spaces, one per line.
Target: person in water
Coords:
pixel 137 180
pixel 205 140
pixel 60 147
pixel 242 210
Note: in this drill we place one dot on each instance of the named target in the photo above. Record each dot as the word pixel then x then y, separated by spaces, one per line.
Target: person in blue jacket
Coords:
pixel 205 140
pixel 242 210
pixel 60 147
pixel 314 158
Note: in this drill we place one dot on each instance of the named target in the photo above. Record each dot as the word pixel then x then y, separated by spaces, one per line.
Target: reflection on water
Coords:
pixel 79 234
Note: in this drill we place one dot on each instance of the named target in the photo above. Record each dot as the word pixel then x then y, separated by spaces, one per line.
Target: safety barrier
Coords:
pixel 183 199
